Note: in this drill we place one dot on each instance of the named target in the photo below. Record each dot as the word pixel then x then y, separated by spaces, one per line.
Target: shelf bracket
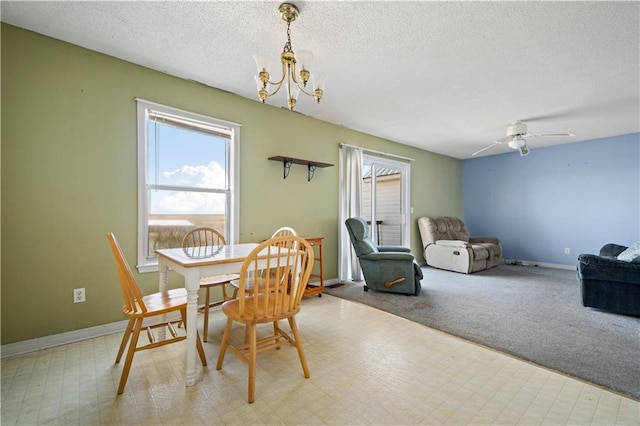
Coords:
pixel 311 171
pixel 286 166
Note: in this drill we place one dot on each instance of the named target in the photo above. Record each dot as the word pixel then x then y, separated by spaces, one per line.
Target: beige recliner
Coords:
pixel 447 245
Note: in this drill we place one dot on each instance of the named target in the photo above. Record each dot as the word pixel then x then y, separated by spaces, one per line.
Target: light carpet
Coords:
pixel 533 313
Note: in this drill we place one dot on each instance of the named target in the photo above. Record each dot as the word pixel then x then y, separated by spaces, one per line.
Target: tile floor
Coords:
pixel 367 367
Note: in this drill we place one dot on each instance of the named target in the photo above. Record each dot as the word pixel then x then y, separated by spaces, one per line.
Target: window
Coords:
pixel 187 178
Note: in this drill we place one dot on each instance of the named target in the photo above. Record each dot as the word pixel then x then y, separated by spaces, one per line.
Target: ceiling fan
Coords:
pixel 516 135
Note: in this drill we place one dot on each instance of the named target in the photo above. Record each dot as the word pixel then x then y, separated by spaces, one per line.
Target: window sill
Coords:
pixel 151 267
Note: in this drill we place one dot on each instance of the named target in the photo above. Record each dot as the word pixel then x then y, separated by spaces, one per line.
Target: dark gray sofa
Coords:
pixel 608 283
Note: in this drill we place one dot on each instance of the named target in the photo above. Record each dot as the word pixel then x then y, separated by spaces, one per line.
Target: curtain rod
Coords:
pixel 377 152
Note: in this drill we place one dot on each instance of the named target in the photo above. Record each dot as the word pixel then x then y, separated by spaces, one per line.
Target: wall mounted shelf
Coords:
pixel 288 161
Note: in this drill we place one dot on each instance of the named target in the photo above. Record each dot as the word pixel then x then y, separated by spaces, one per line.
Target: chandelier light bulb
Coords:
pixel 304 58
pixel 319 81
pixel 262 62
pixel 292 94
pixel 293 90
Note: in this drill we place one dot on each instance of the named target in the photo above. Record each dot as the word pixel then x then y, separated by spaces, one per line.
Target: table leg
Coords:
pixel 192 284
pixel 163 286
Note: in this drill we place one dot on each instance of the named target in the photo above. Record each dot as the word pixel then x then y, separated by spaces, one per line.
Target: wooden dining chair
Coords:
pixel 281 232
pixel 264 299
pixel 203 242
pixel 284 231
pixel 138 308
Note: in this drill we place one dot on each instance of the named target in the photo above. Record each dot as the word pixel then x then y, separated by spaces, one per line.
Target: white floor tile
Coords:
pixel 367 367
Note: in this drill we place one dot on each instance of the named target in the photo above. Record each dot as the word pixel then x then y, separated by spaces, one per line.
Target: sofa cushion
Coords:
pixel 607 269
pixel 632 254
pixel 612 250
pixel 493 250
pixel 447 228
pixel 480 252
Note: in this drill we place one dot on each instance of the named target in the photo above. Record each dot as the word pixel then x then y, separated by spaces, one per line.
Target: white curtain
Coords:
pixel 350 206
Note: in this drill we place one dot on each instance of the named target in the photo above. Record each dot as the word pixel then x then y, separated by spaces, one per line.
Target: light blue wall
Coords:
pixel 579 195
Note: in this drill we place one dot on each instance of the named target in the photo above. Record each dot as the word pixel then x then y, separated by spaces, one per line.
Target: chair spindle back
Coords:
pixel 131 294
pixel 202 242
pixel 284 231
pixel 276 294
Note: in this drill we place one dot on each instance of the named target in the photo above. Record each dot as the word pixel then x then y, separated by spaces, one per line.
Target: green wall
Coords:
pixel 69 177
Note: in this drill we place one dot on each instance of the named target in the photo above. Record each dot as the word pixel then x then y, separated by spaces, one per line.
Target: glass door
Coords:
pixel 385 200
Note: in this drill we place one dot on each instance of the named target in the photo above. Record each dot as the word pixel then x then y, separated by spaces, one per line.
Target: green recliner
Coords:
pixel 385 268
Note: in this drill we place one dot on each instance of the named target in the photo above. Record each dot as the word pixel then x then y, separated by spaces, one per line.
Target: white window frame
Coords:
pixel 232 168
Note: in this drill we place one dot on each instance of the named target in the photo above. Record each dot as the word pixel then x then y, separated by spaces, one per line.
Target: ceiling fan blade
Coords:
pixel 485 148
pixel 558 115
pixel 503 140
pixel 552 134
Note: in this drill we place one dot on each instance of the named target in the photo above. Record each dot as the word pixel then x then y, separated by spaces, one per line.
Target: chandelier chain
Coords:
pixel 287 45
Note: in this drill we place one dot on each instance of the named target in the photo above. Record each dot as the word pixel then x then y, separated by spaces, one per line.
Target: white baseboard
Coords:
pixel 45 342
pixel 31 345
pixel 530 263
pixel 541 264
pixel 331 282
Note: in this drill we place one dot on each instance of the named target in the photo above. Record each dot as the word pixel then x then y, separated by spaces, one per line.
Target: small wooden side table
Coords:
pixel 316 287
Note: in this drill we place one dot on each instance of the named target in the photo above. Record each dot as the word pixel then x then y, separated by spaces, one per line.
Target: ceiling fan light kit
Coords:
pixel 293 80
pixel 520 145
pixel 516 135
pixel 516 143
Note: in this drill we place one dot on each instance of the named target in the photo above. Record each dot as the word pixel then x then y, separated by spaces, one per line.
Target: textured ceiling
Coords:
pixel 447 77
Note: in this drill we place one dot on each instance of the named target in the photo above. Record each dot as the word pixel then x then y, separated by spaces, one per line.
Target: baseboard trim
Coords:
pixel 528 263
pixel 541 264
pixel 46 342
pixel 73 336
pixel 31 345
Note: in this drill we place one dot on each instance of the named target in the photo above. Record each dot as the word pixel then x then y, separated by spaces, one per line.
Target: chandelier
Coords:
pixel 294 82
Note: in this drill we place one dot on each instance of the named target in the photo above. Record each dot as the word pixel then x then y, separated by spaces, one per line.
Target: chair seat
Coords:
pixel 260 315
pixel 157 303
pixel 218 279
pixel 248 285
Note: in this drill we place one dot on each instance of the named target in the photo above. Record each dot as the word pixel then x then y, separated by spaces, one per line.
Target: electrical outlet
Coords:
pixel 567 250
pixel 78 295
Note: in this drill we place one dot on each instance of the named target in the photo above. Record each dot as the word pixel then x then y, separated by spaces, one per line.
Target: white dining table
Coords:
pixel 194 264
